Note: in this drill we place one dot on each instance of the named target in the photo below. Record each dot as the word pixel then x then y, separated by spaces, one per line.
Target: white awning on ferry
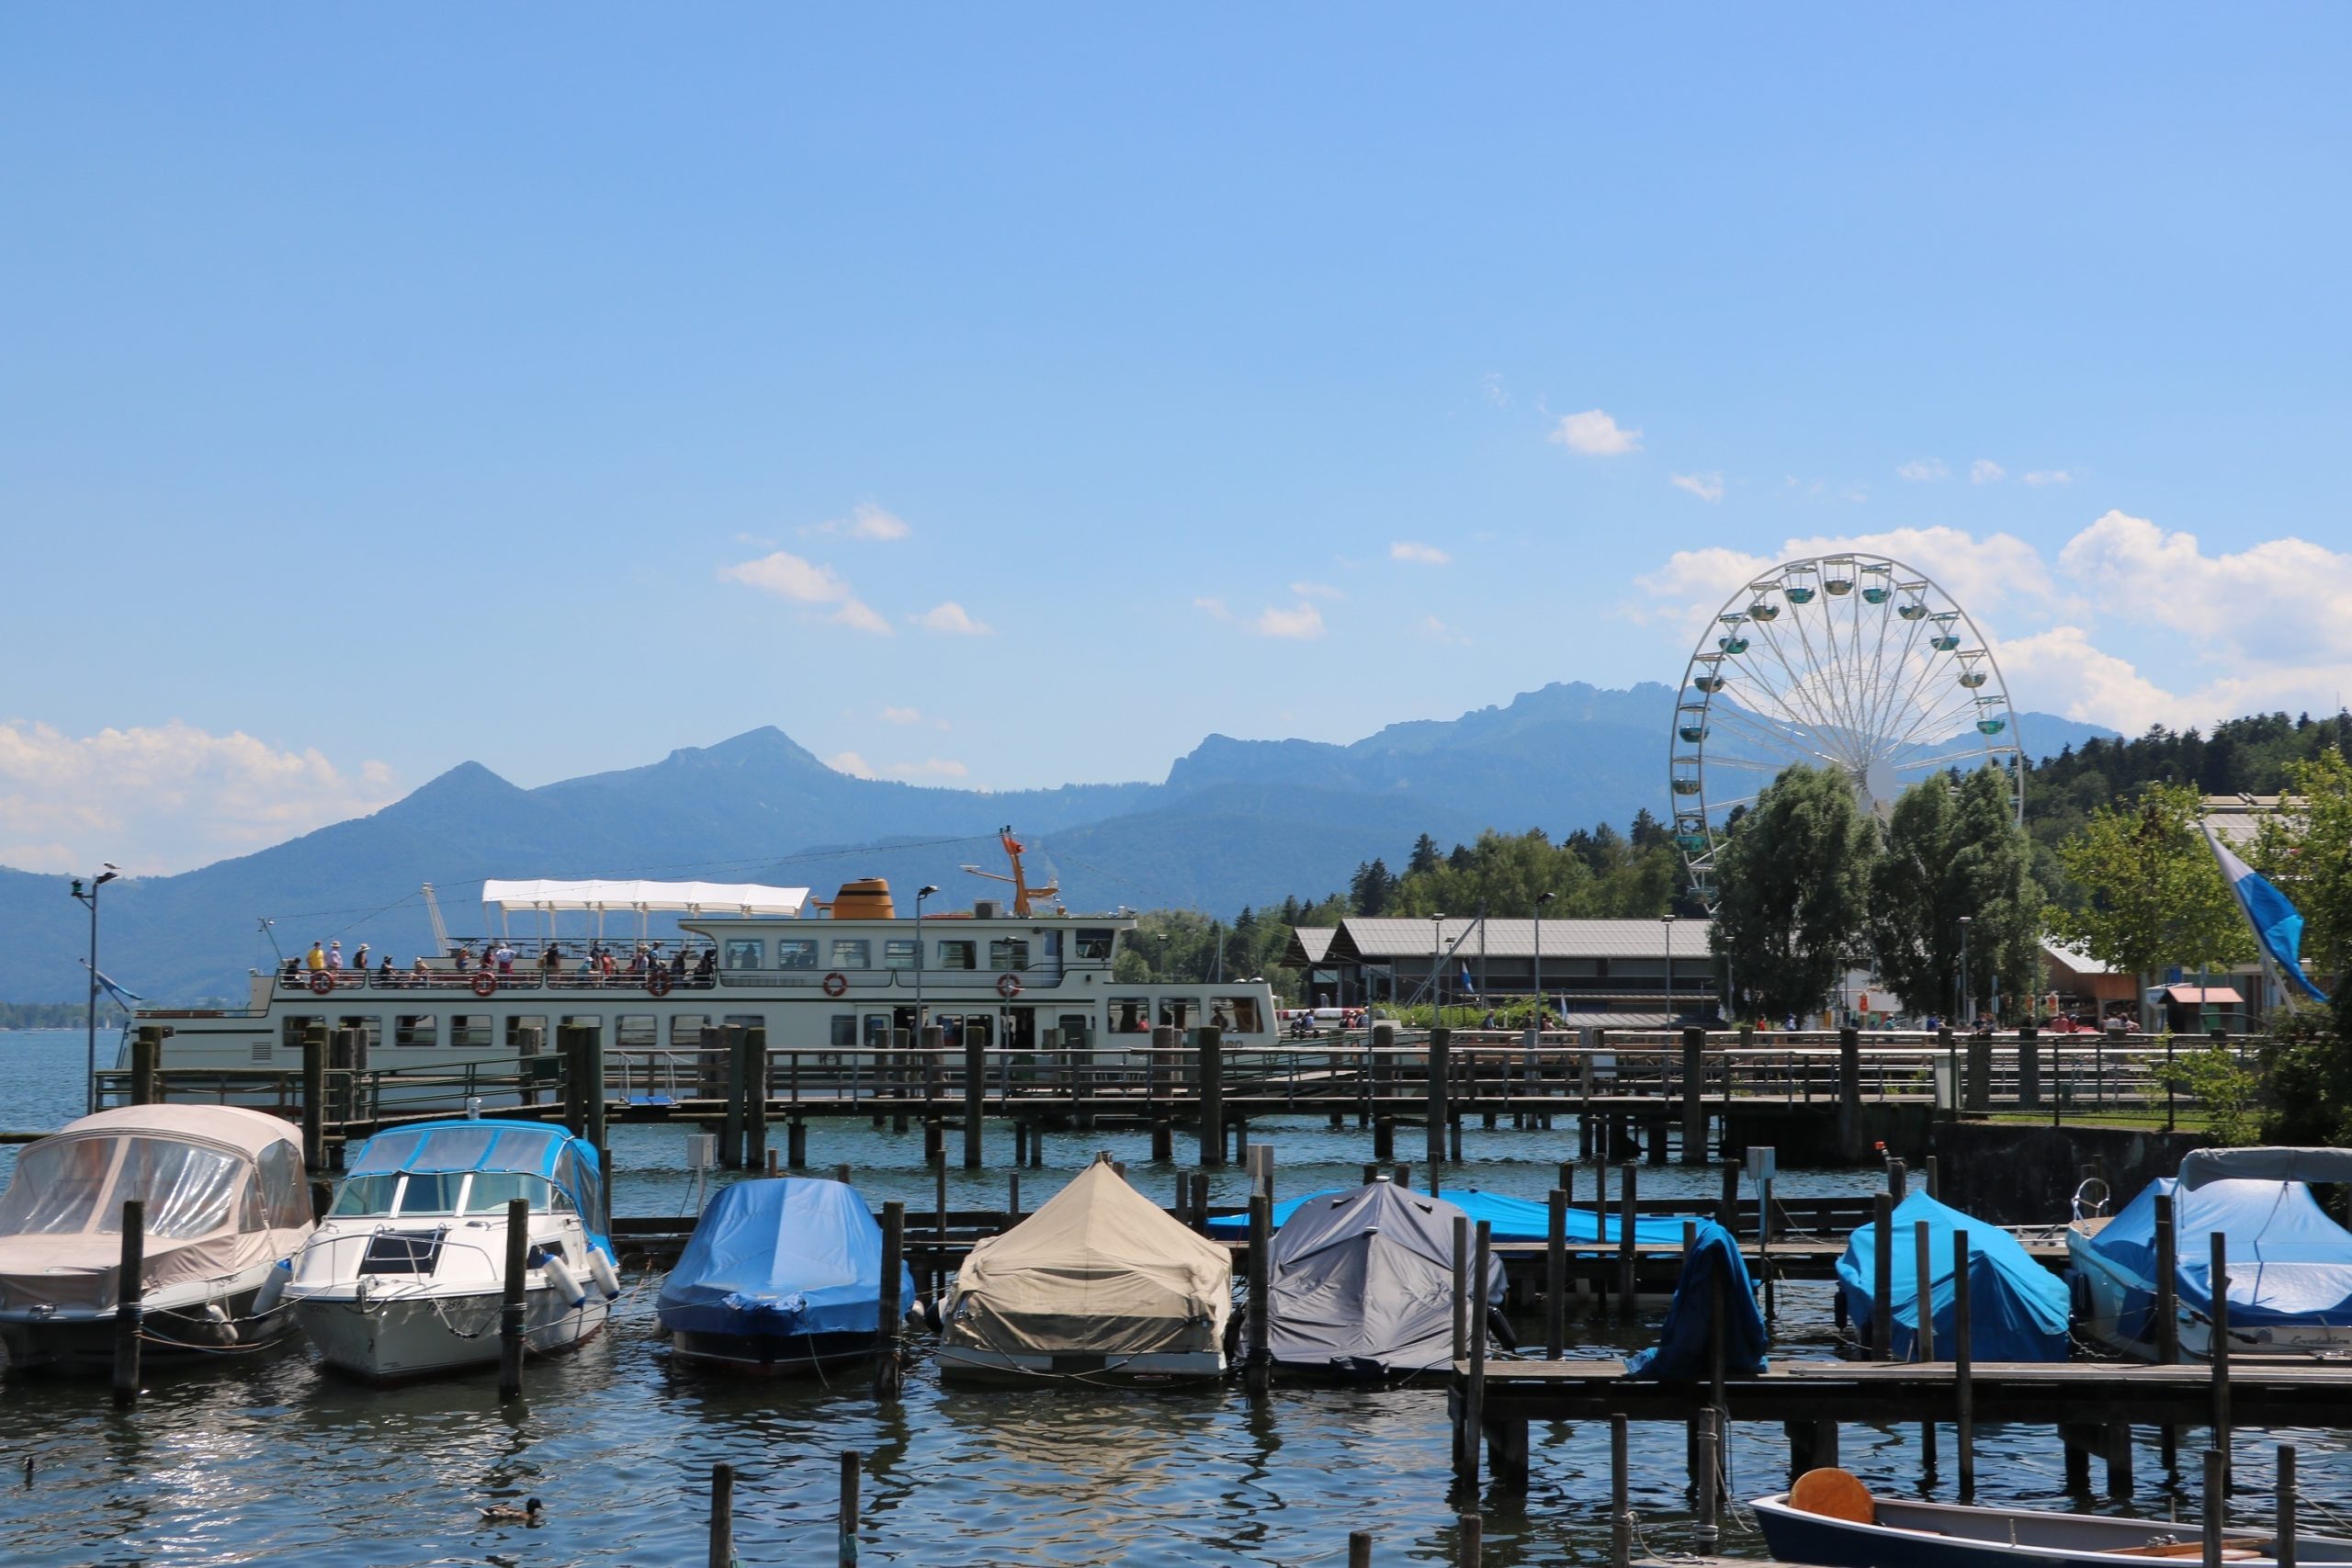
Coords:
pixel 695 898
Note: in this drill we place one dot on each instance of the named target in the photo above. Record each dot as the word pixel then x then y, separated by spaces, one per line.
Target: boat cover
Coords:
pixel 1512 1219
pixel 784 1255
pixel 1683 1348
pixel 1363 1283
pixel 223 1189
pixel 1097 1270
pixel 488 1142
pixel 2201 1166
pixel 2287 1261
pixel 2019 1310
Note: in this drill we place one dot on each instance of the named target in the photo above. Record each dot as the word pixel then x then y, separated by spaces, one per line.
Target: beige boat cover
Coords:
pixel 1098 1269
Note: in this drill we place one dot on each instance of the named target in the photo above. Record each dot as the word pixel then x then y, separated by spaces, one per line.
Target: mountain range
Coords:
pixel 1235 823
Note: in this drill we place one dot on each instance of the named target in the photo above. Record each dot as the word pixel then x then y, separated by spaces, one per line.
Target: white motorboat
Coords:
pixel 226 1205
pixel 406 1276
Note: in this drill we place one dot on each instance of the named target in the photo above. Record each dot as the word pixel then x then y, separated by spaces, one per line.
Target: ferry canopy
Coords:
pixel 695 898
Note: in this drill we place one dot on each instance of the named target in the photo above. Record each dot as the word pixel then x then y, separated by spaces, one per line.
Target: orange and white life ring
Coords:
pixel 322 981
pixel 836 984
pixel 1007 985
pixel 485 984
pixel 656 981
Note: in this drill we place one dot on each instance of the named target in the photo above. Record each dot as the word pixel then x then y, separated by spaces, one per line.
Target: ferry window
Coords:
pixel 853 953
pixel 687 1027
pixel 371 1030
pixel 900 952
pixel 1094 945
pixel 469 1029
pixel 1130 1015
pixel 972 1028
pixel 1009 953
pixel 638 1031
pixel 745 952
pixel 1176 1013
pixel 955 955
pixel 796 953
pixel 844 1035
pixel 1077 1031
pixel 296 1025
pixel 517 1024
pixel 1237 1013
pixel 416 1029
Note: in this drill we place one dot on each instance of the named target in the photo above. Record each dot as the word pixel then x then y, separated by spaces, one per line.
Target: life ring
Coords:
pixel 836 984
pixel 485 984
pixel 322 981
pixel 656 981
pixel 1007 985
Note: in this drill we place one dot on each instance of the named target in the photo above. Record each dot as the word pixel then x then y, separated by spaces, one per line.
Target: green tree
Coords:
pixel 1794 888
pixel 2306 848
pixel 1372 889
pixel 2153 893
pixel 1953 851
pixel 1424 856
pixel 1502 873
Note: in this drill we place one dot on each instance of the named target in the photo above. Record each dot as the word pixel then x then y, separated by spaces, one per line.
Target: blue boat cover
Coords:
pixel 787 1256
pixel 1512 1219
pixel 2019 1310
pixel 491 1144
pixel 1682 1348
pixel 2287 1261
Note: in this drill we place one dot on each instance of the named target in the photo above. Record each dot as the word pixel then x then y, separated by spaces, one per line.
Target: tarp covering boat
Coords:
pixel 223 1189
pixel 1361 1283
pixel 2287 1261
pixel 1684 1347
pixel 1512 1219
pixel 2200 1166
pixel 2019 1310
pixel 788 1256
pixel 1098 1269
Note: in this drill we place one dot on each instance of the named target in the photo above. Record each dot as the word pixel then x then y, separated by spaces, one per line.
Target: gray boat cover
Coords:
pixel 2201 1166
pixel 1362 1283
pixel 1098 1269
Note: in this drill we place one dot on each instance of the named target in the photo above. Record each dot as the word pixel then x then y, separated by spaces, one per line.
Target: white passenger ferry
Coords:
pixel 819 975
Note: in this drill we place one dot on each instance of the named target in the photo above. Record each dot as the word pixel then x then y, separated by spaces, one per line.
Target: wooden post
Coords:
pixel 1461 1286
pixel 592 1054
pixel 513 1313
pixel 2283 1549
pixel 755 1097
pixel 2167 1314
pixel 722 1516
pixel 1882 1279
pixel 1849 1093
pixel 575 1088
pixel 1625 1240
pixel 1705 1535
pixel 1898 1180
pixel 1402 1177
pixel 1555 1275
pixel 146 1051
pixel 2218 1284
pixel 1163 1139
pixel 1384 1137
pixel 1012 1197
pixel 939 1194
pixel 129 1300
pixel 848 1513
pixel 1963 1369
pixel 1210 1042
pixel 1694 1104
pixel 1469 1537
pixel 1727 1200
pixel 730 1138
pixel 1474 1404
pixel 796 1144
pixel 1621 1513
pixel 1923 1307
pixel 1935 1184
pixel 2029 1068
pixel 314 1097
pixel 976 1096
pixel 892 1310
pixel 1257 1373
pixel 1439 1112
pixel 1359 1549
pixel 841 1174
pixel 2216 1478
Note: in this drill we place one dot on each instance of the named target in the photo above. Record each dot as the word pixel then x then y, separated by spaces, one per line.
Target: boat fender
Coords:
pixel 273 1287
pixel 1498 1329
pixel 600 1268
pixel 562 1281
pixel 931 1314
pixel 2078 1296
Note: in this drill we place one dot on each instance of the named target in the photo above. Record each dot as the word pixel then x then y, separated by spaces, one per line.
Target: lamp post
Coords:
pixel 90 1016
pixel 1437 961
pixel 1961 1012
pixel 1668 922
pixel 1541 900
pixel 925 891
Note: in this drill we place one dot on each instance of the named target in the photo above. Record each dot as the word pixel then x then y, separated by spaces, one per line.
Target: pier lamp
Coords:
pixel 925 891
pixel 105 875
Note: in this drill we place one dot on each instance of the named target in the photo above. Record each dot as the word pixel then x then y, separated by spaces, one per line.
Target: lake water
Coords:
pixel 272 1462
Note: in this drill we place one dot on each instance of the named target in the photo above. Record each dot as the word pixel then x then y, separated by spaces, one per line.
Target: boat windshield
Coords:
pixel 405 1193
pixel 64 1186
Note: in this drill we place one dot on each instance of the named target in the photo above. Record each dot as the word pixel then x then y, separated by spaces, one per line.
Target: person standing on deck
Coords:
pixel 317 959
pixel 334 954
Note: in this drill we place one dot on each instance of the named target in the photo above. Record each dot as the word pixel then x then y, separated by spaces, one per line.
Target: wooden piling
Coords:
pixel 1626 1203
pixel 1849 1093
pixel 1727 1200
pixel 1694 1101
pixel 1556 1275
pixel 1705 1535
pixel 939 1195
pixel 2216 1474
pixel 2218 1290
pixel 1163 1139
pixel 739 1075
pixel 1469 1540
pixel 2283 1549
pixel 796 1144
pixel 1384 1138
pixel 1402 1176
pixel 846 1515
pixel 1963 1369
pixel 1359 1549
pixel 1882 1279
pixel 755 1097
pixel 1439 1114
pixel 1012 1196
pixel 892 1313
pixel 575 1088
pixel 722 1517
pixel 1935 1184
pixel 1898 1180
pixel 592 1054
pixel 1620 1513
pixel 314 1097
pixel 1200 1204
pixel 130 1302
pixel 514 1311
pixel 1979 1096
pixel 976 1095
pixel 841 1174
pixel 1257 1371
pixel 146 1051
pixel 1474 1403
pixel 1923 1307
pixel 1209 1047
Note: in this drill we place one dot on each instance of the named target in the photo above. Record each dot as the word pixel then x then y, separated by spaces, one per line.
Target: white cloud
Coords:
pixel 1437 631
pixel 1923 470
pixel 1708 486
pixel 929 768
pixel 2081 681
pixel 850 763
pixel 803 581
pixel 2049 477
pixel 165 798
pixel 1303 624
pixel 1595 434
pixel 865 520
pixel 1316 591
pixel 2287 601
pixel 1988 575
pixel 1491 383
pixel 1984 472
pixel 1426 555
pixel 1214 608
pixel 951 618
pixel 901 715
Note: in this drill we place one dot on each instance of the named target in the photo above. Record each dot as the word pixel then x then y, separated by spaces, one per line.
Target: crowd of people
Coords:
pixel 595 965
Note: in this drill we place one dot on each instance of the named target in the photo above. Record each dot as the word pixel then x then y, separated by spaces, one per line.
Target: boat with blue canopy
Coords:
pixel 2018 1308
pixel 406 1276
pixel 2290 1266
pixel 782 1275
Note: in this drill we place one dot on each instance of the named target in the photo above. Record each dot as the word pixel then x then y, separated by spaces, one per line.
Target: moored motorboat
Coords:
pixel 782 1275
pixel 1830 1519
pixel 1099 1284
pixel 225 1206
pixel 2018 1308
pixel 406 1275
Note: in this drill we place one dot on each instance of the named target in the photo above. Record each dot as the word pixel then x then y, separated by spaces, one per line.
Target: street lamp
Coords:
pixel 1437 961
pixel 1965 997
pixel 90 1016
pixel 1541 900
pixel 925 891
pixel 1668 922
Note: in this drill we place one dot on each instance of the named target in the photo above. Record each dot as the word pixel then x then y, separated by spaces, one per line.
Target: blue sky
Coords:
pixel 384 388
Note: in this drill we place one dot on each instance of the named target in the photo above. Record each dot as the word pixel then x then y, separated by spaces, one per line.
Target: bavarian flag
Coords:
pixel 2276 923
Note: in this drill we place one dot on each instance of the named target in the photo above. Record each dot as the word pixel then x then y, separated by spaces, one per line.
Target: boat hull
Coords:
pixel 176 1332
pixel 978 1363
pixel 774 1355
pixel 1944 1535
pixel 2103 1314
pixel 391 1338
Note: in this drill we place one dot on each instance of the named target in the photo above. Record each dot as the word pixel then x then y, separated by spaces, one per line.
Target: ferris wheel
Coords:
pixel 1856 662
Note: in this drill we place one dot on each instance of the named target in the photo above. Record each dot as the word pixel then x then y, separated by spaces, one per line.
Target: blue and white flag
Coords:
pixel 1469 986
pixel 122 996
pixel 2277 926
